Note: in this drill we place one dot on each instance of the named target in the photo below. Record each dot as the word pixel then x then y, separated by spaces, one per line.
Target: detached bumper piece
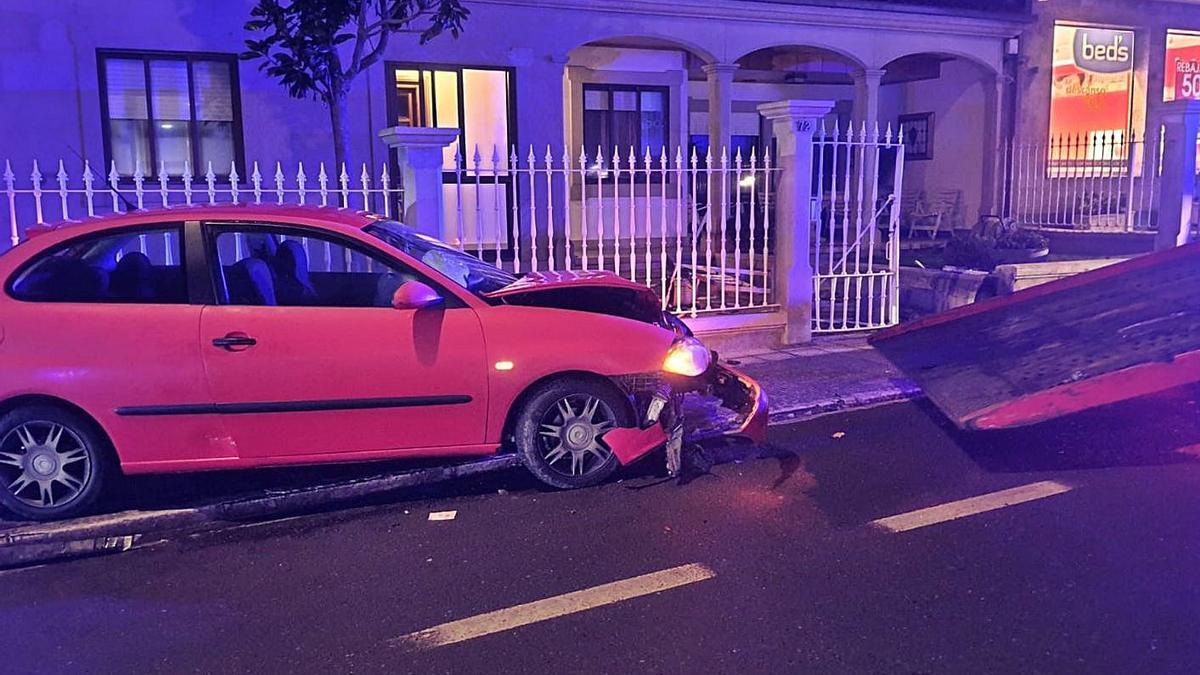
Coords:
pixel 734 406
pixel 672 411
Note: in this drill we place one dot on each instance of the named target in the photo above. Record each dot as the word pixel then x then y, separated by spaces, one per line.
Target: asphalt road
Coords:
pixel 770 564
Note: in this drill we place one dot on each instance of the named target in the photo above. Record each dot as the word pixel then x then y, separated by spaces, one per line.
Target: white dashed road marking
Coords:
pixel 443 515
pixel 554 607
pixel 969 507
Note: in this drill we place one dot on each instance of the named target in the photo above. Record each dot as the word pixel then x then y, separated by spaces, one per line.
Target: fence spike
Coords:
pixel 302 180
pixel 837 130
pixel 323 184
pixel 234 178
pixel 10 191
pixel 113 177
pixel 162 183
pixel 88 190
pixel 278 183
pixel 36 176
pixel 566 158
pixel 187 182
pixel 344 181
pixel 256 182
pixel 888 135
pixel 549 156
pixel 210 177
pixel 582 157
pixel 62 188
pixel 476 157
pixel 875 133
pixel 365 179
pixel 138 183
pixel 823 130
pixel 384 184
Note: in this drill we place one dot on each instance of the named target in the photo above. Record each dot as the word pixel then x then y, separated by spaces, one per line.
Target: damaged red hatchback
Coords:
pixel 222 337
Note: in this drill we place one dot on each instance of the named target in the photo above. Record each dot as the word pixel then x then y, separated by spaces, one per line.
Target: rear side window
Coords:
pixel 140 266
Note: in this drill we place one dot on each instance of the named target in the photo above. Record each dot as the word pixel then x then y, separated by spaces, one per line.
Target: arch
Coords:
pixel 647 40
pixel 973 59
pixel 850 58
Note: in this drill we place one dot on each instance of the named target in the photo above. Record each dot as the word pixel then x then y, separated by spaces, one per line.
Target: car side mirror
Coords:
pixel 415 295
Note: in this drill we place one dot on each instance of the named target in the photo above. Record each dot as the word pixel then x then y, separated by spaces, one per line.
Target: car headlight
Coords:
pixel 687 357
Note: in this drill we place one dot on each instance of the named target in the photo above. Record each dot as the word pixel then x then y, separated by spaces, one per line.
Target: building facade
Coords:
pixel 144 86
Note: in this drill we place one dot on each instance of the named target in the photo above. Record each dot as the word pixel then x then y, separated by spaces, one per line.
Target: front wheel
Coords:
pixel 560 431
pixel 52 463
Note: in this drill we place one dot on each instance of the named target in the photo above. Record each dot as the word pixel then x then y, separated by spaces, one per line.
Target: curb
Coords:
pixel 905 392
pixel 112 533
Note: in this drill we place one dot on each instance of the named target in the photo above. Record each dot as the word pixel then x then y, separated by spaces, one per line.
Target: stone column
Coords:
pixel 793 124
pixel 420 150
pixel 1181 123
pixel 866 111
pixel 866 99
pixel 720 105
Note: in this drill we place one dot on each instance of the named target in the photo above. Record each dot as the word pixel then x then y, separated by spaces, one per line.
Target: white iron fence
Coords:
pixel 856 224
pixel 1098 181
pixel 36 198
pixel 698 230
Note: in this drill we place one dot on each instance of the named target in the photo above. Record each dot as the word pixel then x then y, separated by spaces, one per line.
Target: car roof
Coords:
pixel 288 213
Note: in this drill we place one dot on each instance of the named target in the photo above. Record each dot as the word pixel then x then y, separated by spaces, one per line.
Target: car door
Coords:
pixel 306 357
pixel 107 324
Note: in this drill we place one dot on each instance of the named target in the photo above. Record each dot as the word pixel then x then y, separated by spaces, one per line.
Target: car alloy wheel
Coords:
pixel 570 435
pixel 560 426
pixel 44 464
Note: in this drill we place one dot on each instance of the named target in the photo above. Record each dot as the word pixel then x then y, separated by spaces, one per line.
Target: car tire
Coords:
pixel 49 448
pixel 559 431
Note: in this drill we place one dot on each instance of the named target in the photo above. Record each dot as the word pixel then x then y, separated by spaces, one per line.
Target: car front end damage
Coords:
pixel 675 409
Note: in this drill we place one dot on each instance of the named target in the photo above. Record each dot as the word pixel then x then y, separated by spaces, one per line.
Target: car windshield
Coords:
pixel 464 269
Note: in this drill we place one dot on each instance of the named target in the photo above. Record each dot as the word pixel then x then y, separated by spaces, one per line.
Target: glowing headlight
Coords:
pixel 687 357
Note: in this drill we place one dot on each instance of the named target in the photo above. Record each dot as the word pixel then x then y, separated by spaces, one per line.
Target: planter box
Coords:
pixel 1102 221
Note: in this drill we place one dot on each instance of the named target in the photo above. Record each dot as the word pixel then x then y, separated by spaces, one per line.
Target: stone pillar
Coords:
pixel 1181 123
pixel 421 151
pixel 866 99
pixel 793 124
pixel 866 111
pixel 992 189
pixel 720 105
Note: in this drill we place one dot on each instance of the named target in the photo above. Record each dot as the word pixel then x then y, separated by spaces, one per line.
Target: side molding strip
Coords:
pixel 290 406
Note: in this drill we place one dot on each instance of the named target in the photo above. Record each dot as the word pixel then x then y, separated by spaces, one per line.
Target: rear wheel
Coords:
pixel 560 431
pixel 52 463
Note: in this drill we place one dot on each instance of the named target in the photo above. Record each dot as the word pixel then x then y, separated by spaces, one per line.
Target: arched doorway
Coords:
pixel 948 108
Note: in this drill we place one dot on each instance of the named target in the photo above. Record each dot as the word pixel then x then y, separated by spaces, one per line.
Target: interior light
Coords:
pixel 166 125
pixel 746 181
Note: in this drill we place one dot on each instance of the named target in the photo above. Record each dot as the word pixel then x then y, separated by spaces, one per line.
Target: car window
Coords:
pixel 281 266
pixel 132 266
pixel 464 269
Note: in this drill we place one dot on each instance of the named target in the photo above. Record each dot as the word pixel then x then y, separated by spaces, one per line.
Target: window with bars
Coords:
pixel 172 112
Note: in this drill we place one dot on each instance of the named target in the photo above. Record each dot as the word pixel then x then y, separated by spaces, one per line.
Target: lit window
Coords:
pixel 1091 100
pixel 172 111
pixel 1181 76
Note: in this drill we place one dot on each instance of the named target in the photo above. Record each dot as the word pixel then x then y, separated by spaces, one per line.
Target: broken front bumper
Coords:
pixel 671 410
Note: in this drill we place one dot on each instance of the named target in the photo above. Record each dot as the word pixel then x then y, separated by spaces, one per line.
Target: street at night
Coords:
pixel 771 563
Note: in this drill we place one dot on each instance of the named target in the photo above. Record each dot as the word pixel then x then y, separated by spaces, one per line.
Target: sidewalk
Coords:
pixel 831 374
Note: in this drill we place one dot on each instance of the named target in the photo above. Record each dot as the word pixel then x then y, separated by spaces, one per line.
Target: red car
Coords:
pixel 223 337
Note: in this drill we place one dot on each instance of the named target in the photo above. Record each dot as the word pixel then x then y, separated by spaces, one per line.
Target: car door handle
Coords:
pixel 233 341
